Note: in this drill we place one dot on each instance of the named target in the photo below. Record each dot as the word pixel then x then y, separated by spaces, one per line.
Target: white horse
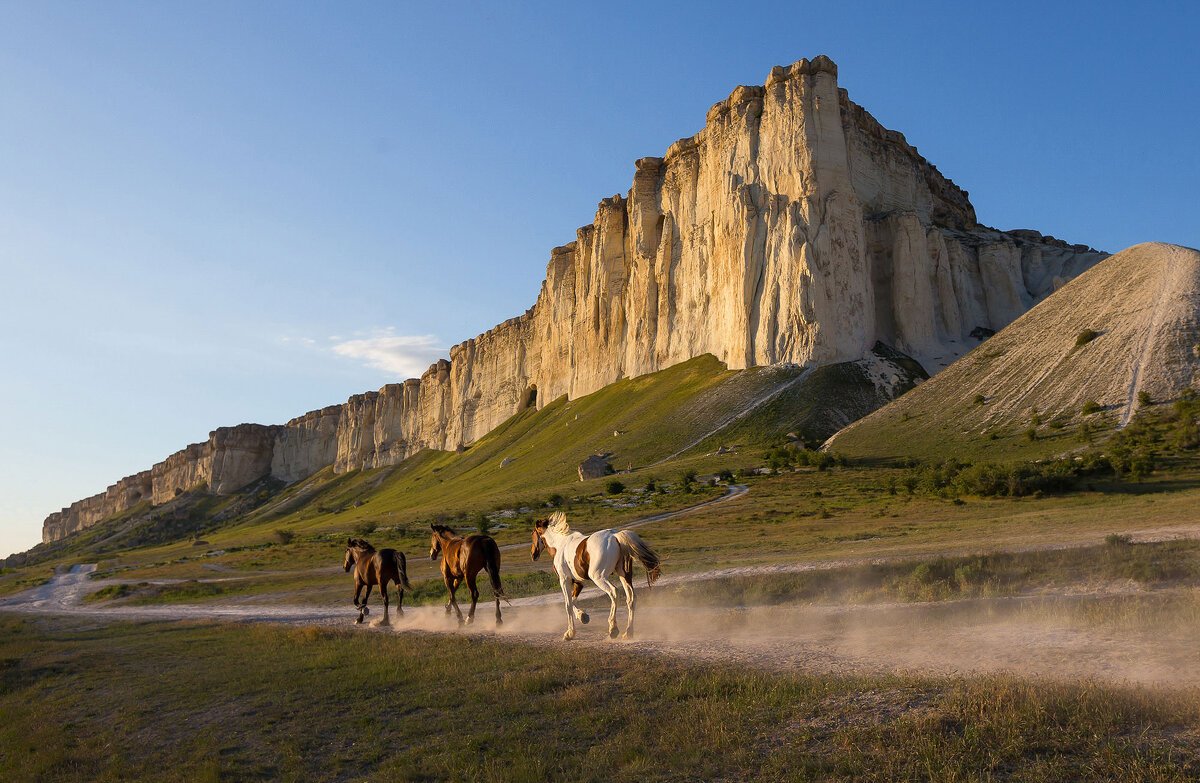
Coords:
pixel 578 557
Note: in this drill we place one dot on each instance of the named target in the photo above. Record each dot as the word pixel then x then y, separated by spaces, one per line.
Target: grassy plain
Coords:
pixel 197 702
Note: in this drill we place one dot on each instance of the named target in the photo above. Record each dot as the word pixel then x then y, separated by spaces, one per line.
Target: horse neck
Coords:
pixel 557 540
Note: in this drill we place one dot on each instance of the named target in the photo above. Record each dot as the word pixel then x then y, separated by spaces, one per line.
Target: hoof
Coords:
pixel 585 618
pixel 568 636
pixel 470 620
pixel 499 621
pixel 627 635
pixel 365 610
pixel 612 632
pixel 359 620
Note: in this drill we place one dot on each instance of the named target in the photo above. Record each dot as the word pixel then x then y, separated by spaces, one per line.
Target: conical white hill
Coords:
pixel 1128 326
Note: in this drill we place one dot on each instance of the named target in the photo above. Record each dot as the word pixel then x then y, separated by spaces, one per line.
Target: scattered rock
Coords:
pixel 594 467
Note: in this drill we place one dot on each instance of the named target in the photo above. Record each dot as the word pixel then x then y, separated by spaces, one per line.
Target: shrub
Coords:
pixel 284 536
pixel 688 478
pixel 1143 398
pixel 1031 434
pixel 1118 539
pixel 1085 337
pixel 1090 407
pixel 1087 432
pixel 980 399
pixel 483 524
pixel 1035 418
pixel 614 487
pixel 725 475
pixel 555 500
pixel 651 484
pixel 366 527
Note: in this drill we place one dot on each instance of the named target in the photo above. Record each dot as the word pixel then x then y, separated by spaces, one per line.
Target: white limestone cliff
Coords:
pixel 792 228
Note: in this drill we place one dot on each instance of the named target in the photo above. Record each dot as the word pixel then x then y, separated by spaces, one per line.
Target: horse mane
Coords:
pixel 443 530
pixel 361 543
pixel 558 523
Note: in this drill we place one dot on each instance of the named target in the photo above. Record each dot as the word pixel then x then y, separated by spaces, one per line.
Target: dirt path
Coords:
pixel 1053 635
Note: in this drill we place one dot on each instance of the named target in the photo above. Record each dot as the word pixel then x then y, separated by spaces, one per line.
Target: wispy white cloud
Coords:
pixel 403 355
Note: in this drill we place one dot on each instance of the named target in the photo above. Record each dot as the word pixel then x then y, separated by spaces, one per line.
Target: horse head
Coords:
pixel 351 554
pixel 539 543
pixel 435 541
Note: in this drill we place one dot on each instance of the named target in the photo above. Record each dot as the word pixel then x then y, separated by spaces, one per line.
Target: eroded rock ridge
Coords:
pixel 792 228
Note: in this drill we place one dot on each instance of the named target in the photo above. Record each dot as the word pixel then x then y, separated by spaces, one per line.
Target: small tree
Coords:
pixel 1090 407
pixel 614 487
pixel 980 399
pixel 1085 337
pixel 284 536
pixel 1143 398
pixel 366 527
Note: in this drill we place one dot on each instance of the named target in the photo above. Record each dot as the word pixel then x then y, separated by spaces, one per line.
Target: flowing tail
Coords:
pixel 633 546
pixel 491 562
pixel 402 569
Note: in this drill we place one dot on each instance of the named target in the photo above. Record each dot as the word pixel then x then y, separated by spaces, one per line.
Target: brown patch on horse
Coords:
pixel 582 561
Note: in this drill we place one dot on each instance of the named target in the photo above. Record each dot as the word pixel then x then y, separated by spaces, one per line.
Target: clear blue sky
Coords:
pixel 213 212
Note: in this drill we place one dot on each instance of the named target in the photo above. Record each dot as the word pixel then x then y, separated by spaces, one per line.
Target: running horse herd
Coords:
pixel 577 558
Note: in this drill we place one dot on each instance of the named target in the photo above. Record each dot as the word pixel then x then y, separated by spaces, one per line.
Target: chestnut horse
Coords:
pixel 375 568
pixel 577 557
pixel 463 558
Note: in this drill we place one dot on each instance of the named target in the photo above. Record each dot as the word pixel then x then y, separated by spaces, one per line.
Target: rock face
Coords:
pixel 119 497
pixel 792 228
pixel 231 458
pixel 306 444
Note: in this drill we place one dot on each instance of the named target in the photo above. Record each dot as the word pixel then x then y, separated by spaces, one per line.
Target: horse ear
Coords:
pixel 349 542
pixel 433 527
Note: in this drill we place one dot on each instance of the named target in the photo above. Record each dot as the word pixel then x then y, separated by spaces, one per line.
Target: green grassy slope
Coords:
pixel 637 421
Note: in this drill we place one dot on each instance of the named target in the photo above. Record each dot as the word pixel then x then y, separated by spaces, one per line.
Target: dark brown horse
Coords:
pixel 463 558
pixel 376 568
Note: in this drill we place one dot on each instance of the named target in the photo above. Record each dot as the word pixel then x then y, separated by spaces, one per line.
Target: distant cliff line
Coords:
pixel 792 228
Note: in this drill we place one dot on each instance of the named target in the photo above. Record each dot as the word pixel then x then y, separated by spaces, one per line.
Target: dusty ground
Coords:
pixel 1042 635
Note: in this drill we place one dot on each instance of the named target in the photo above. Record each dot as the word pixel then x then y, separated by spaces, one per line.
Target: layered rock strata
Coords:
pixel 792 228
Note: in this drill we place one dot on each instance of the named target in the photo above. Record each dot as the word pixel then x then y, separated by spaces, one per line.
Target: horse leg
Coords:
pixel 366 598
pixel 399 600
pixel 576 589
pixel 383 589
pixel 602 582
pixel 474 588
pixel 630 601
pixel 452 585
pixel 565 584
pixel 358 586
